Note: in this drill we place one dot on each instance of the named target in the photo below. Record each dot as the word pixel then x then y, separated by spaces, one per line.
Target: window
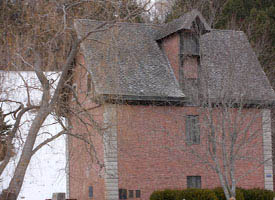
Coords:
pixel 193 181
pixel 89 82
pixel 189 64
pixel 191 44
pixel 138 194
pixel 74 88
pixel 122 194
pixel 91 191
pixel 192 129
pixel 131 193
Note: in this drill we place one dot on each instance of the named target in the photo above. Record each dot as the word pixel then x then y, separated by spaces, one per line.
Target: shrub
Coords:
pixel 215 194
pixel 188 194
pixel 220 194
pixel 156 195
pixel 165 195
pixel 257 194
pixel 194 194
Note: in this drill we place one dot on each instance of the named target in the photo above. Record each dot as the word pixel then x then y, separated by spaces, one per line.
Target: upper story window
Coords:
pixel 189 64
pixel 192 129
pixel 190 44
pixel 189 55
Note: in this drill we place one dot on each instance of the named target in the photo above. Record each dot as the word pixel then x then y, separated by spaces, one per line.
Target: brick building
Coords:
pixel 153 89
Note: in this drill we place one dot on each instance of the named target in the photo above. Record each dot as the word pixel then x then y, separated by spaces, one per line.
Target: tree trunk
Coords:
pixel 11 193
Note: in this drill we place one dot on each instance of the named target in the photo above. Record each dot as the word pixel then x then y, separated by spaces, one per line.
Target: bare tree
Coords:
pixel 230 135
pixel 39 37
pixel 232 124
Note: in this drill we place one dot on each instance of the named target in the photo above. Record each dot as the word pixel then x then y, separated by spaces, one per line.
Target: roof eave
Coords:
pixel 246 103
pixel 135 99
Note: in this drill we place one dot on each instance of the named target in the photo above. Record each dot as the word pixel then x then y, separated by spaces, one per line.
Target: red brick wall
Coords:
pixel 171 47
pixel 151 154
pixel 273 143
pixel 190 67
pixel 84 168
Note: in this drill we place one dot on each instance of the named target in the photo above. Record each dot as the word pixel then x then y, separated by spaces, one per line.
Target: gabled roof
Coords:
pixel 185 22
pixel 230 69
pixel 125 60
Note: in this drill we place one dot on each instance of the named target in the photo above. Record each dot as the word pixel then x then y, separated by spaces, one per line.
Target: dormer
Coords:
pixel 192 21
pixel 189 64
pixel 191 37
pixel 179 40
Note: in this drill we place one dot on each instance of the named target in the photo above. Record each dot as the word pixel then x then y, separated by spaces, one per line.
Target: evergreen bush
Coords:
pixel 257 194
pixel 188 194
pixel 214 194
pixel 194 194
pixel 220 194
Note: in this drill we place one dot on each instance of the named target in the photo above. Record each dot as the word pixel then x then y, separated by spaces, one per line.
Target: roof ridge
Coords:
pixel 183 22
pixel 128 23
pixel 226 30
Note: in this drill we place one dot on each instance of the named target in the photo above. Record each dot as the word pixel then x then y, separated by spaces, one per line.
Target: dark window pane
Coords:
pixel 192 129
pixel 190 44
pixel 122 194
pixel 89 83
pixel 198 182
pixel 138 194
pixel 193 181
pixel 91 191
pixel 131 193
pixel 188 129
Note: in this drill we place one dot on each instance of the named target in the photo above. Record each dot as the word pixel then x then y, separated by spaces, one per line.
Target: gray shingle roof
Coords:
pixel 230 68
pixel 184 22
pixel 125 60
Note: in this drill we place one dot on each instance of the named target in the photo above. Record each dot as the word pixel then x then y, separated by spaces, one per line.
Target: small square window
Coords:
pixel 192 129
pixel 122 194
pixel 193 181
pixel 138 194
pixel 131 193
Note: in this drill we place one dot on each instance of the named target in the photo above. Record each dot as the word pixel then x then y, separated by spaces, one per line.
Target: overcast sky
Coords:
pixel 46 172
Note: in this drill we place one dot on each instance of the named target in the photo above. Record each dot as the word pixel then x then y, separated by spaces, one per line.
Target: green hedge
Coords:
pixel 220 194
pixel 165 195
pixel 215 194
pixel 189 194
pixel 257 194
pixel 195 194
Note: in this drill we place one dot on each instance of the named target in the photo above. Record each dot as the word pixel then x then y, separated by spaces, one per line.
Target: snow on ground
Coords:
pixel 46 172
